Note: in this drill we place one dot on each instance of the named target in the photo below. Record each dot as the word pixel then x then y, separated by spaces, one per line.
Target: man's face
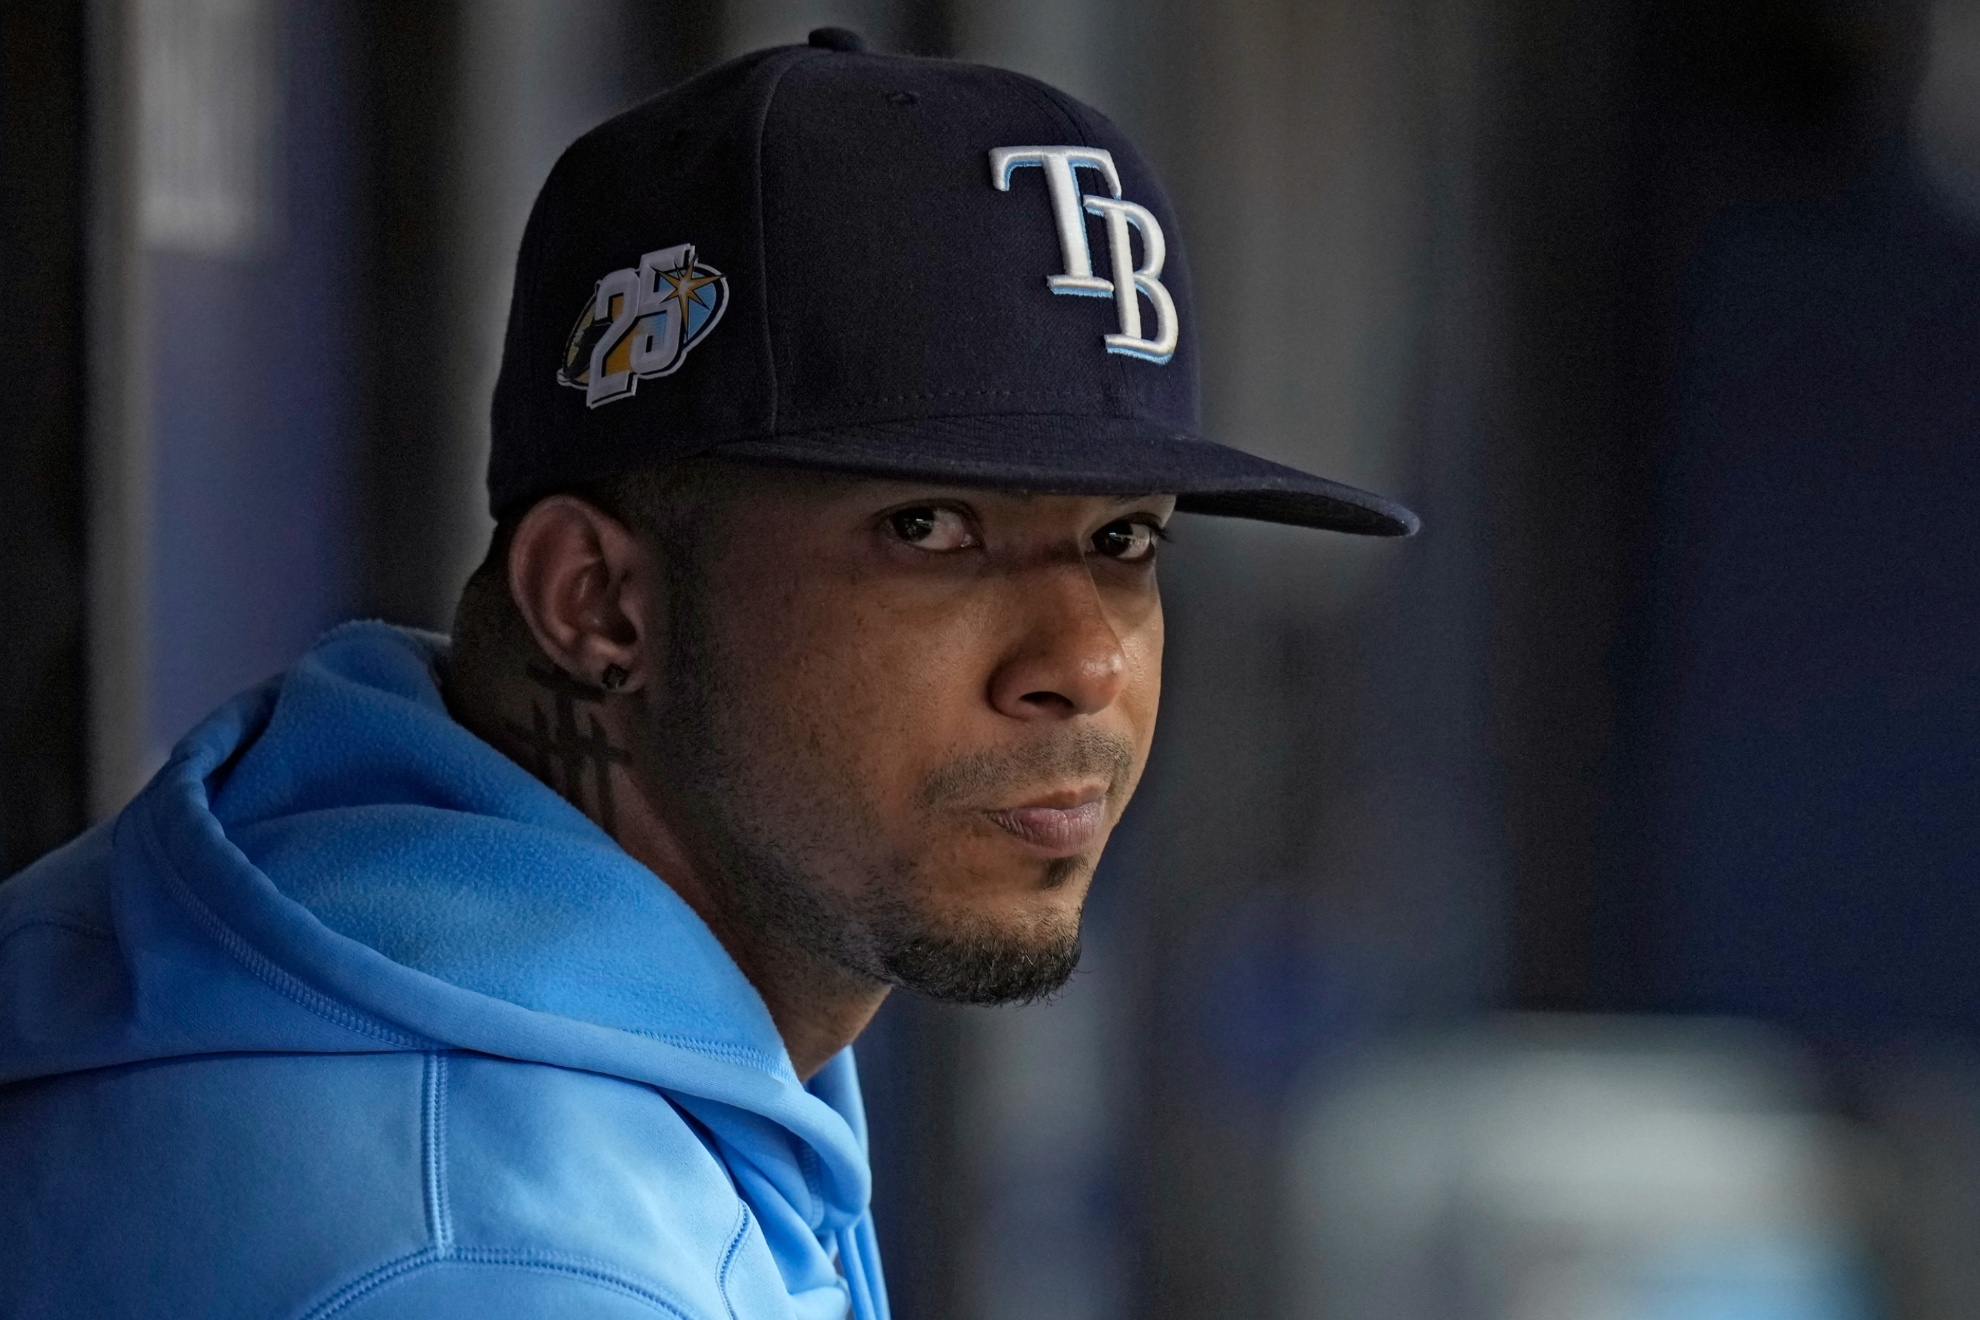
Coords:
pixel 898 722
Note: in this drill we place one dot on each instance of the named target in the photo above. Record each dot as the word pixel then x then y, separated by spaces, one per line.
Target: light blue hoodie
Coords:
pixel 348 1015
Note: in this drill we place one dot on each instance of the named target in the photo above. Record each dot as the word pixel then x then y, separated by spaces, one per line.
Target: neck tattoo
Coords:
pixel 561 752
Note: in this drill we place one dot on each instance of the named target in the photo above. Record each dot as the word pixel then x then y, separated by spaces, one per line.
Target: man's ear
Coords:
pixel 589 591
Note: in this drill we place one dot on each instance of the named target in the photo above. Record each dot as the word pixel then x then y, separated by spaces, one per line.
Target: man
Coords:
pixel 817 653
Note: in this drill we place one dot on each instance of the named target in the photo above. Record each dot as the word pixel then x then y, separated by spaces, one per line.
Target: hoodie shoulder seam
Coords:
pixel 713 1048
pixel 590 1271
pixel 259 964
pixel 74 927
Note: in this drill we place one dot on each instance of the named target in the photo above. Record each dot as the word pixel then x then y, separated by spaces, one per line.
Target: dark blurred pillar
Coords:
pixel 407 59
pixel 43 245
pixel 465 106
pixel 1562 461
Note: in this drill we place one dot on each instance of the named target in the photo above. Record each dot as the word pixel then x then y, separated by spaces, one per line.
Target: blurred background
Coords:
pixel 1570 914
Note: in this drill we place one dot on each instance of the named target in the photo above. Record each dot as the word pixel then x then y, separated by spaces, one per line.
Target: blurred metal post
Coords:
pixel 118 381
pixel 1566 467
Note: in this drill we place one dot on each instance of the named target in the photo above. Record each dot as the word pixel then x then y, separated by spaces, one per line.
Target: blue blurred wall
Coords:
pixel 253 412
pixel 1814 684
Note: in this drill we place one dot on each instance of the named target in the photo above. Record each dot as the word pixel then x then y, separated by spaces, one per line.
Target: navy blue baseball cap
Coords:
pixel 822 257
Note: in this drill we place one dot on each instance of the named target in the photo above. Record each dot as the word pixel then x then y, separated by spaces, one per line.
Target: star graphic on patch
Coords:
pixel 687 287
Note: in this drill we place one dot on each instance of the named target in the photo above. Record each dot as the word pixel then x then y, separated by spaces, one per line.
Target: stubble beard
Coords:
pixel 769 851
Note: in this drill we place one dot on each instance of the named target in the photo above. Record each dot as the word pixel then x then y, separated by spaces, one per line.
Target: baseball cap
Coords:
pixel 901 267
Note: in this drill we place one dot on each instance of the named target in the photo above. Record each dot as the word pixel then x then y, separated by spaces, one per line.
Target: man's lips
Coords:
pixel 1054 831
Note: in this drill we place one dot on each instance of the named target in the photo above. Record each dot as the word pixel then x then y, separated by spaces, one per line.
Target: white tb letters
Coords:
pixel 1069 209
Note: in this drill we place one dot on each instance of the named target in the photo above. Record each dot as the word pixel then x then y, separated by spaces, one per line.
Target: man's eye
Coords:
pixel 1127 541
pixel 933 528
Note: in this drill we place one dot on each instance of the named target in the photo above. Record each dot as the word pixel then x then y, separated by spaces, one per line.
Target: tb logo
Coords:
pixel 1130 283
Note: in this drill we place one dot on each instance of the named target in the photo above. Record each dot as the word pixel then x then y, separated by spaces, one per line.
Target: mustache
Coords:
pixel 985 776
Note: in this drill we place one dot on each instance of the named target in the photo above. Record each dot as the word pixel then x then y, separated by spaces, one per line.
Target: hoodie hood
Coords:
pixel 331 864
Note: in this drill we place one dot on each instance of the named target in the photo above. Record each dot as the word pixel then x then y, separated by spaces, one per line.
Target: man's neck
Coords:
pixel 573 737
pixel 819 1008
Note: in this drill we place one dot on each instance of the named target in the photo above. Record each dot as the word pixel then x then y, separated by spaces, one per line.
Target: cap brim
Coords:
pixel 1085 456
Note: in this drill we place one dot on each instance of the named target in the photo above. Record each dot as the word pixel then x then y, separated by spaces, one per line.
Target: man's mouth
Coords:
pixel 1054 831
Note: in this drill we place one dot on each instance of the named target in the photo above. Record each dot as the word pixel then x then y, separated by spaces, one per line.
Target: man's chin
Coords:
pixel 984 968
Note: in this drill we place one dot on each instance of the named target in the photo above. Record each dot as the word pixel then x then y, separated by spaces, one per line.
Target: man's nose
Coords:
pixel 1069 659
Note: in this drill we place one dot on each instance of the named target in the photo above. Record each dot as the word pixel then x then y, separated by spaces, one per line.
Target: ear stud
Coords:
pixel 613 678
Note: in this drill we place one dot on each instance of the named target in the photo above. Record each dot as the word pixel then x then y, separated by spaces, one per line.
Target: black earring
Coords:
pixel 613 678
